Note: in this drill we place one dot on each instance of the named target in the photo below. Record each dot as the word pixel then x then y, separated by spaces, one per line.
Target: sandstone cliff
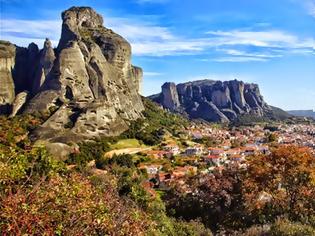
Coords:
pixel 213 100
pixel 7 62
pixel 87 85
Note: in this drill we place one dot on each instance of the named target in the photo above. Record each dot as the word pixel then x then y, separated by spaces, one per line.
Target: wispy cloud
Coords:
pixel 272 38
pixel 23 32
pixel 239 59
pixel 138 30
pixel 240 53
pixel 150 39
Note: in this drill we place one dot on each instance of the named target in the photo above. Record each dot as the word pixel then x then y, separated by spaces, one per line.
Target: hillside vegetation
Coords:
pixel 91 194
pixel 40 195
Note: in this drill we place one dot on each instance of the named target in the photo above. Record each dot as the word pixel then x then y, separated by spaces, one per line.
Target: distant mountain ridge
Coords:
pixel 216 101
pixel 304 113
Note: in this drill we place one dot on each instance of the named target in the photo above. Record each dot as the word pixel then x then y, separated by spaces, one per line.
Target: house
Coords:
pixel 264 150
pixel 151 169
pixel 213 159
pixel 180 172
pixel 192 151
pixel 148 187
pixel 196 135
pixel 216 151
pixel 226 144
pixel 159 153
pixel 163 176
pixel 233 151
pixel 174 149
pixel 248 151
pixel 236 158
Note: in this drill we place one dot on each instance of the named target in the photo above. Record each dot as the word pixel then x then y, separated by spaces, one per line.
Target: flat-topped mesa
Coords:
pixel 213 100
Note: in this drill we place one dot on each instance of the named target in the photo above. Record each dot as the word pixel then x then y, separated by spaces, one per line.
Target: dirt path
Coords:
pixel 126 151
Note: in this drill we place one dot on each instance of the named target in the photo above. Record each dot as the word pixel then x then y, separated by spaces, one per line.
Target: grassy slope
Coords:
pixel 127 143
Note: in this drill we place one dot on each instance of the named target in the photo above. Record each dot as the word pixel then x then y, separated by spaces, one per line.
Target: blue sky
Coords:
pixel 269 42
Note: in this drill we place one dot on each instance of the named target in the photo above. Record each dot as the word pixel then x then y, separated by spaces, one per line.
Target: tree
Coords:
pixel 282 183
pixel 214 198
pixel 271 137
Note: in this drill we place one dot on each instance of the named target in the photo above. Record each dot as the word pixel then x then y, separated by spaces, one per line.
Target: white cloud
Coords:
pixel 135 30
pixel 23 32
pixel 240 53
pixel 150 39
pixel 272 38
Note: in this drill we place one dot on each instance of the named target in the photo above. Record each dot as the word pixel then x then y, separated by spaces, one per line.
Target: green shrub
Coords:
pixel 192 228
pixel 92 150
pixel 124 160
pixel 156 122
pixel 287 228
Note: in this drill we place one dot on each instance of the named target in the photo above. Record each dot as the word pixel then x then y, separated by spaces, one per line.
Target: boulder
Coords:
pixel 19 102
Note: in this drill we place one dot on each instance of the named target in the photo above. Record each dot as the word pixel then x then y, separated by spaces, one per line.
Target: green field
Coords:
pixel 127 143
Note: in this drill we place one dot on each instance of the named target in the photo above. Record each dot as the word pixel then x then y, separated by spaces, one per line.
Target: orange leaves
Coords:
pixel 287 174
pixel 71 205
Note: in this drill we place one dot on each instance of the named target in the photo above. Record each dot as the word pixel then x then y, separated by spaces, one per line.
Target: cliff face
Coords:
pixel 87 85
pixel 7 62
pixel 213 100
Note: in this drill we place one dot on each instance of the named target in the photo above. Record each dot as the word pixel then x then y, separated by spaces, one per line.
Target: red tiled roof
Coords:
pixel 213 156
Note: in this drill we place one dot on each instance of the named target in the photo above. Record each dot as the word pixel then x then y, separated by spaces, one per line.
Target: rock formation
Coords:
pixel 303 113
pixel 7 62
pixel 87 85
pixel 46 61
pixel 19 102
pixel 213 100
pixel 170 96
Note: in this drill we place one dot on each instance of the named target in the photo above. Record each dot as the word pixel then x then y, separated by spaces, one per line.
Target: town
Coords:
pixel 202 148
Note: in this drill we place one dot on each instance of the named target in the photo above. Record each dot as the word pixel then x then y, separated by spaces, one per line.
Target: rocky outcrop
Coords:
pixel 19 102
pixel 137 77
pixel 7 63
pixel 87 86
pixel 45 64
pixel 170 96
pixel 213 100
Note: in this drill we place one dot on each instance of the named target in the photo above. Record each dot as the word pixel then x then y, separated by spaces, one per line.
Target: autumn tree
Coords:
pixel 280 184
pixel 215 198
